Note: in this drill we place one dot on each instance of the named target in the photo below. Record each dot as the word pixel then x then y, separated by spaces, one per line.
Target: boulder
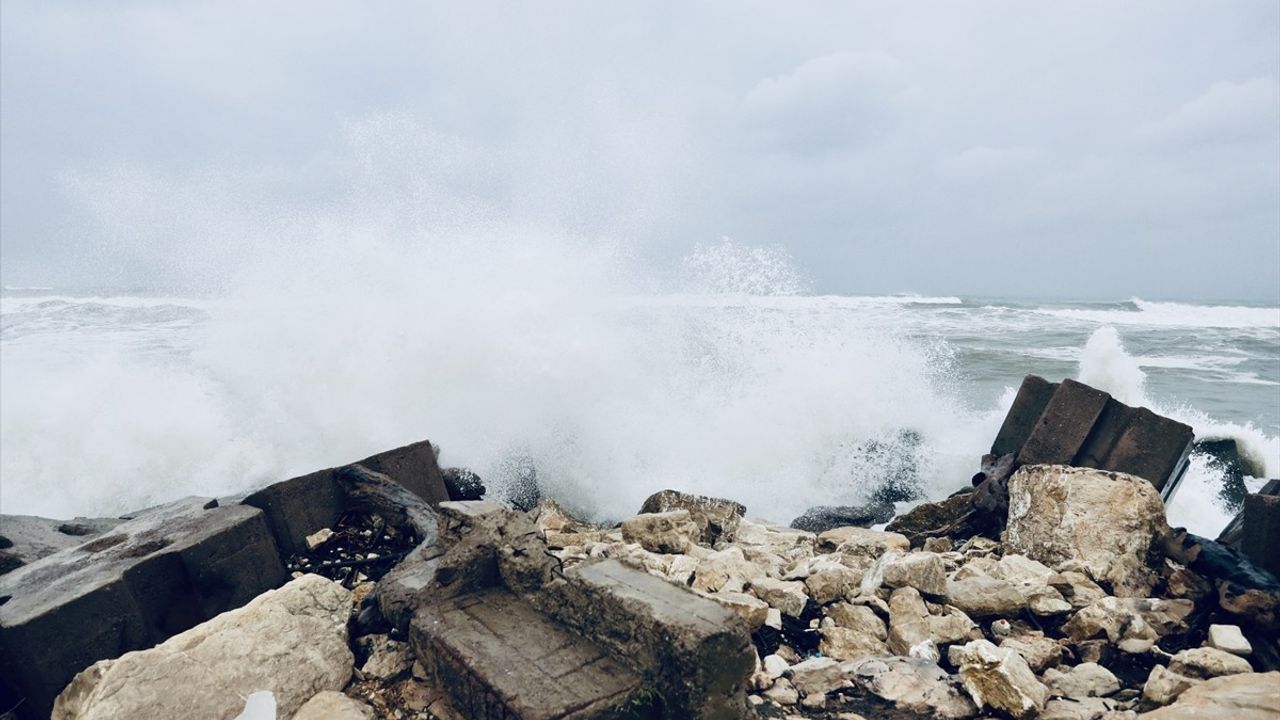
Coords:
pixel 923 571
pixel 817 675
pixel 789 597
pixel 332 705
pixel 954 517
pixel 826 517
pixel 984 596
pixel 913 686
pixel 861 541
pixel 291 641
pixel 1105 521
pixel 1082 681
pixel 666 532
pixel 1163 686
pixel 716 518
pixel 842 643
pixel 1119 619
pixel 787 543
pixel 1249 696
pixel 909 625
pixel 1039 651
pixel 1207 662
pixel 829 581
pixel 724 570
pixel 750 609
pixel 858 617
pixel 462 484
pixel 1000 679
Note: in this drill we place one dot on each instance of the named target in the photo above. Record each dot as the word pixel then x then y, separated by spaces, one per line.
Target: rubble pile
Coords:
pixel 1052 587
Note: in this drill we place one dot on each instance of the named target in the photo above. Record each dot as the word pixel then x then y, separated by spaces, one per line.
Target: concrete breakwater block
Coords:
pixel 145 580
pixel 1070 423
pixel 300 506
pixel 502 659
pixel 173 566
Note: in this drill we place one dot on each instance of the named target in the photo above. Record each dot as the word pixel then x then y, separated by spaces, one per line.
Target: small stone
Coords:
pixel 775 666
pixel 861 541
pixel 773 618
pixel 817 675
pixel 984 596
pixel 333 705
pixel 753 610
pixel 1228 638
pixel 783 692
pixel 831 581
pixel 387 659
pixel 1039 651
pixel 1207 662
pixel 1001 628
pixel 318 538
pixel 937 544
pixel 1000 679
pixel 788 597
pixel 923 571
pixel 1163 686
pixel 816 701
pixel 1083 681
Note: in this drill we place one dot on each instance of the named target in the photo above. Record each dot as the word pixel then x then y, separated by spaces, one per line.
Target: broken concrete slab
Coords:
pixel 300 506
pixel 695 652
pixel 1021 419
pixel 499 659
pixel 145 580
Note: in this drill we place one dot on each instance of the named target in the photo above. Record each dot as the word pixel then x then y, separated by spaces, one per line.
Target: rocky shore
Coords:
pixel 1051 586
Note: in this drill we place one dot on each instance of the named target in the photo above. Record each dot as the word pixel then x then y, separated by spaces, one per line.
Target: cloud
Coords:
pixel 1226 112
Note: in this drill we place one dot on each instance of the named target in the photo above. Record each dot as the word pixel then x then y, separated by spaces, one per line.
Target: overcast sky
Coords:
pixel 1072 149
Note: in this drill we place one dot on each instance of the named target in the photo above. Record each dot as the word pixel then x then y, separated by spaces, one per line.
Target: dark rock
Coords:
pixel 1246 590
pixel 522 491
pixel 26 538
pixel 145 580
pixel 955 518
pixel 463 484
pixel 825 517
pixel 1224 456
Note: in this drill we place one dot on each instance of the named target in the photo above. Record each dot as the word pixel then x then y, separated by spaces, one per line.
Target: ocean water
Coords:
pixel 732 382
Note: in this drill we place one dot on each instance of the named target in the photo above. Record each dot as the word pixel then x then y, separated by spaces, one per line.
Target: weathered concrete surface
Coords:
pixel 696 653
pixel 27 538
pixel 291 641
pixel 300 506
pixel 148 578
pixel 1260 531
pixel 1033 396
pixel 1070 423
pixel 500 659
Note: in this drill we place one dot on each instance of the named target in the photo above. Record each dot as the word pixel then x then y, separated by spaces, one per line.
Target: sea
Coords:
pixel 113 400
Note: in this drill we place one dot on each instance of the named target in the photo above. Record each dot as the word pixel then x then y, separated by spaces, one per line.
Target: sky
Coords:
pixel 1082 149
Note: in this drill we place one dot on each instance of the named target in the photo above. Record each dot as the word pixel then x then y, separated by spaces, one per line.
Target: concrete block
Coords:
pixel 499 659
pixel 1064 426
pixel 1152 447
pixel 1260 531
pixel 298 507
pixel 695 652
pixel 1033 396
pixel 143 581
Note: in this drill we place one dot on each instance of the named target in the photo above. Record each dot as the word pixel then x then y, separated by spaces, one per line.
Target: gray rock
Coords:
pixel 1082 681
pixel 912 685
pixel 716 518
pixel 332 705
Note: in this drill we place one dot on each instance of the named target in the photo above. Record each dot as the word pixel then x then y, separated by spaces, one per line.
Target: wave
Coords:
pixel 1168 314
